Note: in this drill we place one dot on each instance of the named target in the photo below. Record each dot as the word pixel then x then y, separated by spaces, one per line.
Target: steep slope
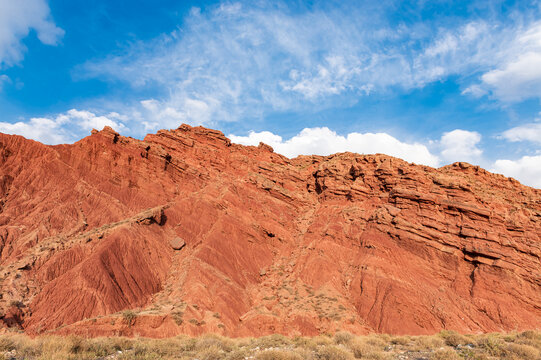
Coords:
pixel 296 246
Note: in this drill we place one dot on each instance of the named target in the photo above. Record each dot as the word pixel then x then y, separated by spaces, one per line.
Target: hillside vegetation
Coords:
pixel 342 346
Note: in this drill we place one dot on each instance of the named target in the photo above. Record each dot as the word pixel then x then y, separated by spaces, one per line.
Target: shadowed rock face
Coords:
pixel 272 245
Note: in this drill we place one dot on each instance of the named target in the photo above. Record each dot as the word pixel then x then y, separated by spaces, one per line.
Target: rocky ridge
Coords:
pixel 185 232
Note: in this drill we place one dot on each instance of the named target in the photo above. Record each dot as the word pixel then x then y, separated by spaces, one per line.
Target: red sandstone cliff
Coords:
pixel 296 246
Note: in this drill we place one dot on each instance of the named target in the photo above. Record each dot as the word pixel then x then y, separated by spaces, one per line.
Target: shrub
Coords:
pixel 343 337
pixel 531 338
pixel 177 317
pixel 427 343
pixel 7 344
pixel 444 354
pixel 452 338
pixel 212 352
pixel 491 344
pixel 380 341
pixel 16 303
pixel 363 350
pixel 520 351
pixel 272 341
pixel 239 354
pixel 278 355
pixel 129 317
pixel 102 347
pixel 400 340
pixel 332 352
pixel 75 344
pixel 322 340
pixel 211 340
pixel 530 335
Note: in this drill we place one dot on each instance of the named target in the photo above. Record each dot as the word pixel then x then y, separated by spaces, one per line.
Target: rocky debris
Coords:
pixel 177 243
pixel 364 243
pixel 152 216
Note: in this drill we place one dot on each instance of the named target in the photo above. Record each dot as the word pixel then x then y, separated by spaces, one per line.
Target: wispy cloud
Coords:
pixel 514 66
pixel 245 60
pixel 17 19
pixel 4 79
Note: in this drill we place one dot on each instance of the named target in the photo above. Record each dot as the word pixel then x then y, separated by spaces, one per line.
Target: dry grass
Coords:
pixel 446 345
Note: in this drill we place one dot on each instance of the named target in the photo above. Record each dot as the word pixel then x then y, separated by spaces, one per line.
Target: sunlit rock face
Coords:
pixel 194 234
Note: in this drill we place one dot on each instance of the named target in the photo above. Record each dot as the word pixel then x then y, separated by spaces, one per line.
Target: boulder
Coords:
pixel 177 243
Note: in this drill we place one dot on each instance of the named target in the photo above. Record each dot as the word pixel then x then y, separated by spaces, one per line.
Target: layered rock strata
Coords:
pixel 186 233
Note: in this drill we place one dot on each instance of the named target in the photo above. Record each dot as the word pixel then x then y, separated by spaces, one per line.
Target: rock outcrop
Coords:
pixel 365 243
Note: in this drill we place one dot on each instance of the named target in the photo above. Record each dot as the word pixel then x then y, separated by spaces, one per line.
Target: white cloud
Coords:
pixel 461 145
pixel 88 121
pixel 162 114
pixel 243 61
pixel 456 145
pixel 526 169
pixel 323 141
pixel 475 90
pixel 49 131
pixel 526 132
pixel 513 66
pixel 457 51
pixel 17 18
pixel 333 76
pixel 58 130
pixel 517 80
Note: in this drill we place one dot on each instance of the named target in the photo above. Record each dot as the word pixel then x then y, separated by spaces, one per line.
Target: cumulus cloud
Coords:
pixel 527 169
pixel 61 129
pixel 461 145
pixel 323 141
pixel 88 121
pixel 49 131
pixel 456 145
pixel 17 18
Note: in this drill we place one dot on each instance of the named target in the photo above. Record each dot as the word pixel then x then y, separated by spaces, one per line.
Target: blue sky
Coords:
pixel 432 82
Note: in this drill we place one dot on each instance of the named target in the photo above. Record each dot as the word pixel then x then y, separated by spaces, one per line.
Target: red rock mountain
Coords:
pixel 195 234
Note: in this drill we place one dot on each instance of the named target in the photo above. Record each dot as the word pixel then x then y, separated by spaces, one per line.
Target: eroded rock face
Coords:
pixel 271 245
